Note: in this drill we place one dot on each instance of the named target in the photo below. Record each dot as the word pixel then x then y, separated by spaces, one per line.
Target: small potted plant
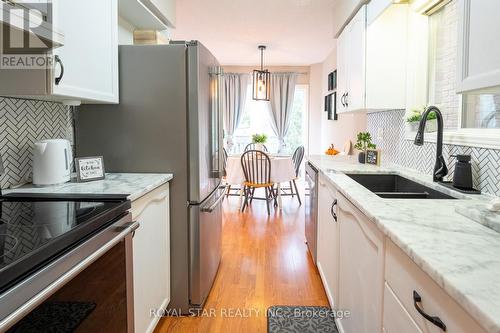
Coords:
pixel 364 142
pixel 414 117
pixel 259 140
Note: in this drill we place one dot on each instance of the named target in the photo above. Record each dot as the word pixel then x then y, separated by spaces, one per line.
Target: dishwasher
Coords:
pixel 311 209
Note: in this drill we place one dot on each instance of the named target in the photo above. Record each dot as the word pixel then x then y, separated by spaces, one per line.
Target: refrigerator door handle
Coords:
pixel 217 202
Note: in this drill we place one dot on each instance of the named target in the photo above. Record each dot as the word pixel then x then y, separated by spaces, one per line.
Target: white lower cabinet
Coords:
pixel 151 257
pixel 365 273
pixel 328 240
pixel 405 278
pixel 361 272
pixel 396 318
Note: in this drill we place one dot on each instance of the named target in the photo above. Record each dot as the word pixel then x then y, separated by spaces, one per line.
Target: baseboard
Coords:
pixel 325 286
pixel 156 319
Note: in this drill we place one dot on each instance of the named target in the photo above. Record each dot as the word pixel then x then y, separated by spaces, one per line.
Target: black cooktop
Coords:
pixel 35 229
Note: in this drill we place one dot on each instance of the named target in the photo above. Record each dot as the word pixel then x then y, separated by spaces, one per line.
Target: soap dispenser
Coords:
pixel 462 177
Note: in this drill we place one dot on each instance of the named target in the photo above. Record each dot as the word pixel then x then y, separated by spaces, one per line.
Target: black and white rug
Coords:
pixel 300 319
pixel 54 317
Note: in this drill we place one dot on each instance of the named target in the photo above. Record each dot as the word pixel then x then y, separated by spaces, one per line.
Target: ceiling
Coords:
pixel 296 32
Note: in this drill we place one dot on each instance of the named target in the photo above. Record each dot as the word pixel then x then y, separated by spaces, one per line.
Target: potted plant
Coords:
pixel 364 142
pixel 259 140
pixel 414 117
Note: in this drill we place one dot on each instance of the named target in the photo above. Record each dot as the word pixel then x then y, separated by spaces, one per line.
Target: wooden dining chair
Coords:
pixel 256 167
pixel 298 156
pixel 252 146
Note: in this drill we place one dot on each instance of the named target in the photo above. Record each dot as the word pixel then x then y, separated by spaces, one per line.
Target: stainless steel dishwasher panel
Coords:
pixel 311 209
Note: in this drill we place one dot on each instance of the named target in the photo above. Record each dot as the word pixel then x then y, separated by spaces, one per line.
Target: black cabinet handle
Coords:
pixel 346 95
pixel 332 210
pixel 59 61
pixel 435 320
pixel 342 99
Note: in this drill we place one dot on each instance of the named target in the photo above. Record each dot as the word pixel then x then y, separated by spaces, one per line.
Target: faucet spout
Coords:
pixel 440 169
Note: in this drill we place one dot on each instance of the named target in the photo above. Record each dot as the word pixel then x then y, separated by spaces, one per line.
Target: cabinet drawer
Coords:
pixel 396 318
pixel 404 277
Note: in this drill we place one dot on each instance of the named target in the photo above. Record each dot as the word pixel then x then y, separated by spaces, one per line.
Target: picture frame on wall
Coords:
pixel 332 80
pixel 331 102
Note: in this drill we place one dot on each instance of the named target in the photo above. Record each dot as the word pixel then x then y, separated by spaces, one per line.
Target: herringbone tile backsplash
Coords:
pixel 399 150
pixel 22 122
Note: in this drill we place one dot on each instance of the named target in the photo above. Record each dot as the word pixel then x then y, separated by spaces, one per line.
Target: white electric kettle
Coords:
pixel 52 162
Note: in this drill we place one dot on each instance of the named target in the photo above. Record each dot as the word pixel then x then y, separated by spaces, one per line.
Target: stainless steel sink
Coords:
pixel 393 186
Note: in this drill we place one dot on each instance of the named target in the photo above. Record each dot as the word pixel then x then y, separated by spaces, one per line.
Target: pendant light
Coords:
pixel 261 86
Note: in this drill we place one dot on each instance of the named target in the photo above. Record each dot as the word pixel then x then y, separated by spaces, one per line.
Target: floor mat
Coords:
pixel 300 319
pixel 56 317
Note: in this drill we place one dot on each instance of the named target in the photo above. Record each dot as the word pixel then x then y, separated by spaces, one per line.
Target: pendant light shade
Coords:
pixel 261 77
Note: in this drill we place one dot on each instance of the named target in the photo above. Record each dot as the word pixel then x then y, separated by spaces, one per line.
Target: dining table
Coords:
pixel 282 170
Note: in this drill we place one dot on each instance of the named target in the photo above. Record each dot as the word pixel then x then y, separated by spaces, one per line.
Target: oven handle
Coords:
pixel 27 307
pixel 217 202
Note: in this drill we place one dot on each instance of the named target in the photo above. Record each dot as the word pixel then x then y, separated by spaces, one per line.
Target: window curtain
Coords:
pixel 234 87
pixel 281 102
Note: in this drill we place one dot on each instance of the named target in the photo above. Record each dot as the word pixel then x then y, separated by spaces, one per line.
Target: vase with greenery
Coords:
pixel 364 142
pixel 259 140
pixel 414 117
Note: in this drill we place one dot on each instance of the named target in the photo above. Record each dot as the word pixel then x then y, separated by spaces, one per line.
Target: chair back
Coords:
pixel 256 166
pixel 298 156
pixel 253 146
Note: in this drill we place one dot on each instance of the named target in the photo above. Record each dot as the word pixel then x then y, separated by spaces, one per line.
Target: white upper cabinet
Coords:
pixel 148 14
pixel 165 9
pixel 85 68
pixel 356 30
pixel 478 47
pixel 351 64
pixel 372 60
pixel 90 53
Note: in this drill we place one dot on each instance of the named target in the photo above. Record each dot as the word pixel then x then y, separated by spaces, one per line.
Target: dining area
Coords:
pixel 258 174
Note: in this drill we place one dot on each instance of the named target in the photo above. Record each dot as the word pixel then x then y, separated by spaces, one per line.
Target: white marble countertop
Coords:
pixel 134 185
pixel 460 255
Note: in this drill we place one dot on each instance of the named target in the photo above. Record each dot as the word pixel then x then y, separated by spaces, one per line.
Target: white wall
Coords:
pixel 323 132
pixel 125 32
pixel 315 109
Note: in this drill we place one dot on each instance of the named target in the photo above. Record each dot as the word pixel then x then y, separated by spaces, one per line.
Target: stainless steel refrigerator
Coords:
pixel 169 120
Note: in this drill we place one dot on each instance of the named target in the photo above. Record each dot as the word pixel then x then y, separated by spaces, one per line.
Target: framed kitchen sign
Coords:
pixel 89 168
pixel 373 156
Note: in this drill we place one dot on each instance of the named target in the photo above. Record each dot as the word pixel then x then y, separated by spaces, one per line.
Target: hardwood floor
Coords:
pixel 265 262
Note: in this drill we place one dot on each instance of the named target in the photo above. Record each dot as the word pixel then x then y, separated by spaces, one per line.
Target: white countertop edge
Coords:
pixel 134 185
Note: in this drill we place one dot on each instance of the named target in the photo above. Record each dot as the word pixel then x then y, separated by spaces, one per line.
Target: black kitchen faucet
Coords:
pixel 440 169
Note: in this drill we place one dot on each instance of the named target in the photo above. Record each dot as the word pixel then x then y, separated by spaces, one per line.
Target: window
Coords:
pixel 256 119
pixel 467 111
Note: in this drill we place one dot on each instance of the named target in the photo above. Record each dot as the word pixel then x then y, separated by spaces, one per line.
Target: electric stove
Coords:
pixel 37 229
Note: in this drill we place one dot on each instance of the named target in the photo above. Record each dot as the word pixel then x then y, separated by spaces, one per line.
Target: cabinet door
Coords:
pixel 90 51
pixel 478 47
pixel 151 257
pixel 342 70
pixel 361 270
pixel 328 240
pixel 356 30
